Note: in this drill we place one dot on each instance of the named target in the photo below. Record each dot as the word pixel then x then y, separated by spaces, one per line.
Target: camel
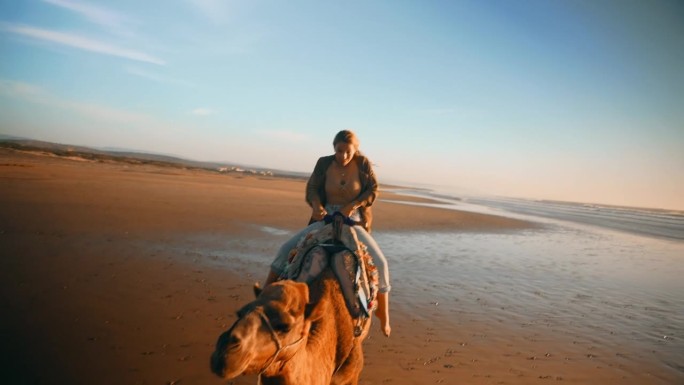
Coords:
pixel 294 334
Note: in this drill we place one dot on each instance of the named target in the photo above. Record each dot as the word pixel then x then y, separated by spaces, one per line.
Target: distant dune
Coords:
pixel 134 157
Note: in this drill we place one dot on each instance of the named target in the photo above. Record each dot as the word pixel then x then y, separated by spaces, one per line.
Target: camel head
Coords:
pixel 269 330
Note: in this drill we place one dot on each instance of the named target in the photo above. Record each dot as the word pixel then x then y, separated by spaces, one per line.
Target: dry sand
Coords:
pixel 100 283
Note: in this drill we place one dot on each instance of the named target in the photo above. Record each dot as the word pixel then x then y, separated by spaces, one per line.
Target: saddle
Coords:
pixel 336 245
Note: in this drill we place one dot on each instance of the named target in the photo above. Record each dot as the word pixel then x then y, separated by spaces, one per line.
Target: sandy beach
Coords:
pixel 105 278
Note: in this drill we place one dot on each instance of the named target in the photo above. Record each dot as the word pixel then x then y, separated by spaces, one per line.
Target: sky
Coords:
pixel 572 100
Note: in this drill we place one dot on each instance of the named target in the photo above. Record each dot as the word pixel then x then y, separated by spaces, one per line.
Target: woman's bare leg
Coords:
pixel 383 313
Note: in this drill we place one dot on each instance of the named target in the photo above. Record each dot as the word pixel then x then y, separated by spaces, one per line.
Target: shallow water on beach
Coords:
pixel 611 293
pixel 621 292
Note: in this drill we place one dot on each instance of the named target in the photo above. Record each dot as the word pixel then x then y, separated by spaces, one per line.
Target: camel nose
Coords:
pixel 234 341
pixel 217 363
pixel 228 342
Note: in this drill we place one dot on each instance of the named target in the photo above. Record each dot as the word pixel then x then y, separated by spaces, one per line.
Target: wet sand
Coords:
pixel 104 279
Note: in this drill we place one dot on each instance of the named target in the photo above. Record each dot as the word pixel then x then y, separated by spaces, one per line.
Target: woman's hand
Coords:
pixel 317 213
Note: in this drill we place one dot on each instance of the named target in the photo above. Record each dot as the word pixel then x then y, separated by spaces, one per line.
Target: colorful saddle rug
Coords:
pixel 336 246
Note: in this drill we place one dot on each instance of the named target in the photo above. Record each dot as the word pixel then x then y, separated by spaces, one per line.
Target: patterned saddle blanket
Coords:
pixel 336 246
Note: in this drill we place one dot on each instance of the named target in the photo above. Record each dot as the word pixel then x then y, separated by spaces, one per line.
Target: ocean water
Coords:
pixel 661 223
pixel 668 224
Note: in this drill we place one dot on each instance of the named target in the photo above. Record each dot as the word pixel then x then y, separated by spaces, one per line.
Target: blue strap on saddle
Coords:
pixel 330 218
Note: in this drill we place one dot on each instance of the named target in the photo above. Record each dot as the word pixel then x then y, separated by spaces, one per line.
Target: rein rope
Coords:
pixel 278 344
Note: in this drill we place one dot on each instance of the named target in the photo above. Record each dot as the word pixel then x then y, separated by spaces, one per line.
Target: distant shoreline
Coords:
pixel 162 160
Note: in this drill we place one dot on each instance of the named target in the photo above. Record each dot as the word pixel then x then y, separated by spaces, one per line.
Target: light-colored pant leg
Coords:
pixel 280 262
pixel 378 258
pixel 281 259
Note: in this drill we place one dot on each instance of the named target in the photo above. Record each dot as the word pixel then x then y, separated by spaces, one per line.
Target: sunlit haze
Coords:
pixel 566 100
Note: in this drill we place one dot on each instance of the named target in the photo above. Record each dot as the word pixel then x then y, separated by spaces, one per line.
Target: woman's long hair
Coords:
pixel 346 136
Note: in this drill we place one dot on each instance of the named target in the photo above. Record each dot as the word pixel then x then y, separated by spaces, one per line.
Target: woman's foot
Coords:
pixel 386 328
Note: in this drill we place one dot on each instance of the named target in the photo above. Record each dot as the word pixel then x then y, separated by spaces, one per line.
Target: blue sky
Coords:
pixel 570 100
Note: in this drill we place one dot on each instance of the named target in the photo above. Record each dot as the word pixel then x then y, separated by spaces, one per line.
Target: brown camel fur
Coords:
pixel 317 342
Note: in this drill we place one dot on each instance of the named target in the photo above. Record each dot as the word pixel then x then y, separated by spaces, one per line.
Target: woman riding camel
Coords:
pixel 345 183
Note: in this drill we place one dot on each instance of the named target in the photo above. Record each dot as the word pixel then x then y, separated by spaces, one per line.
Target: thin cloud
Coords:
pixel 38 95
pixel 215 10
pixel 80 42
pixel 20 90
pixel 156 77
pixel 202 111
pixel 94 14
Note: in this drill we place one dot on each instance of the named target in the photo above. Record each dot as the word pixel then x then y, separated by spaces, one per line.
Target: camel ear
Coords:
pixel 257 289
pixel 303 291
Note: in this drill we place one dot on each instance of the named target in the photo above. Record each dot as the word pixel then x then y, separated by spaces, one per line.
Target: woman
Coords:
pixel 343 182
